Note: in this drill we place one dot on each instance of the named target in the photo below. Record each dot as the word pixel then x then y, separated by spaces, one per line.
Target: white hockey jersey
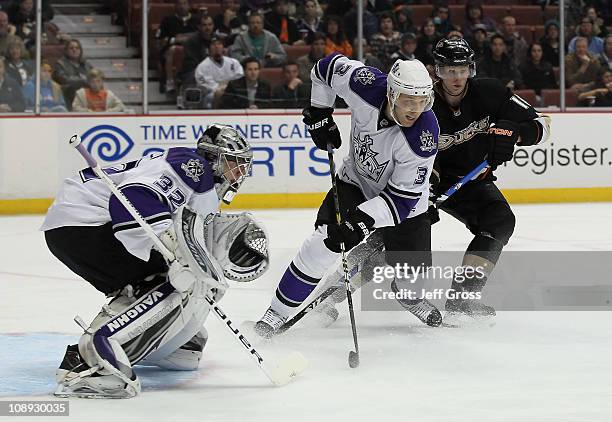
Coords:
pixel 391 164
pixel 157 185
pixel 210 73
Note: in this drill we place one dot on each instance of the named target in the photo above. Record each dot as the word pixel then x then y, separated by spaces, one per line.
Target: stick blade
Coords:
pixel 353 359
pixel 289 368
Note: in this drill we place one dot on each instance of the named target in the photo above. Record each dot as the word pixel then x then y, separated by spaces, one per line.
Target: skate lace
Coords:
pixel 273 319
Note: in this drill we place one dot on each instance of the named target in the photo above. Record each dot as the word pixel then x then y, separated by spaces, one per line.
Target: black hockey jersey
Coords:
pixel 463 141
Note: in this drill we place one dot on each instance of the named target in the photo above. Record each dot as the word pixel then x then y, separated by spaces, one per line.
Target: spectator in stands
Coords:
pixel 196 48
pixel 403 20
pixel 310 23
pixel 94 97
pixel 599 26
pixel 51 97
pixel 581 67
pixel 496 64
pixel 339 7
pixel 537 73
pixel 249 91
pixel 6 35
pixel 336 41
pixel 426 41
pixel 474 15
pixel 280 24
pixel 585 30
pixel 441 18
pixel 11 98
pixel 515 43
pixel 16 67
pixel 606 57
pixel 294 93
pixel 259 43
pixel 71 70
pixel 385 42
pixel 478 41
pixel 550 42
pixel 369 59
pixel 229 22
pixel 22 14
pixel 407 48
pixel 454 33
pixel 601 95
pixel 370 22
pixel 215 72
pixel 307 61
pixel 174 30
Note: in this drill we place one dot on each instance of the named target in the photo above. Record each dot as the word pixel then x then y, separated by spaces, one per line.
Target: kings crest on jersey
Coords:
pixel 386 160
pixel 157 185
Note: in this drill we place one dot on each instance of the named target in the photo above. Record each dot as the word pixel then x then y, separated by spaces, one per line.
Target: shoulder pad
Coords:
pixel 490 88
pixel 370 84
pixel 324 68
pixel 422 137
pixel 193 169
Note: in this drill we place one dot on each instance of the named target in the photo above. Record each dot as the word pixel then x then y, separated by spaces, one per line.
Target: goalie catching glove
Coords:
pixel 239 244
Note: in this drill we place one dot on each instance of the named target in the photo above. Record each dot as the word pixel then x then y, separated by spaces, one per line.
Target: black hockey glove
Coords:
pixel 352 231
pixel 502 138
pixel 322 127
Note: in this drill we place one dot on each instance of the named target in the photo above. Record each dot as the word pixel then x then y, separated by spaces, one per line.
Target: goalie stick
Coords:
pixel 280 374
pixel 479 169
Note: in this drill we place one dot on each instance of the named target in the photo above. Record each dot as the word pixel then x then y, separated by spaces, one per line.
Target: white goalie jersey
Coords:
pixel 391 164
pixel 157 185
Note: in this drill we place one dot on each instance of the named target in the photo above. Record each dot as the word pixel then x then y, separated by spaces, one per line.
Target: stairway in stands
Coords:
pixel 105 47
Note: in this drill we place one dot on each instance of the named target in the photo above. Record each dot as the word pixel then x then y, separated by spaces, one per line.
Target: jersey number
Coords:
pixel 421 173
pixel 176 197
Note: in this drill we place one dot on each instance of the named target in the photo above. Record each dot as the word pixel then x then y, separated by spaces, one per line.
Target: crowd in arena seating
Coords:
pixel 280 40
pixel 259 53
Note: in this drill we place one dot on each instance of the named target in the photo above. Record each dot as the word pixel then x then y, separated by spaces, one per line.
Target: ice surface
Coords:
pixel 528 367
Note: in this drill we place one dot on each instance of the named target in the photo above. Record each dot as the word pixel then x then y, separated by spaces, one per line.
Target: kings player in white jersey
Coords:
pixel 382 183
pixel 157 308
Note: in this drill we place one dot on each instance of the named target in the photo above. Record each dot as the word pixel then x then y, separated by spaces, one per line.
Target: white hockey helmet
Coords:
pixel 230 156
pixel 410 77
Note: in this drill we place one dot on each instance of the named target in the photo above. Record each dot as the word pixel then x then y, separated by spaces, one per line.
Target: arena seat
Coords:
pixel 295 51
pixel 528 95
pixel 273 75
pixel 552 97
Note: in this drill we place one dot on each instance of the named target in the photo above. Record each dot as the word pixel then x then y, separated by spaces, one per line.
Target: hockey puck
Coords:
pixel 353 359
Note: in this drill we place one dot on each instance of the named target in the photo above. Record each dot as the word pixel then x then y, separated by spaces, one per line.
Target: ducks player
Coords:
pixel 479 119
pixel 157 309
pixel 382 183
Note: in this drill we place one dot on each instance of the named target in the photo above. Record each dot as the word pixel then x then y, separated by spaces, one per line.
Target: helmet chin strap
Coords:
pixel 391 109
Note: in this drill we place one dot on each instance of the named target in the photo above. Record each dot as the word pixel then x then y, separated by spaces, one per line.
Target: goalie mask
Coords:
pixel 230 157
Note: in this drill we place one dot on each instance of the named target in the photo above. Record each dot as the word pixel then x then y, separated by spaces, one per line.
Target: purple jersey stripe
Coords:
pixel 146 200
pixel 292 291
pixel 192 168
pixel 323 66
pixel 402 205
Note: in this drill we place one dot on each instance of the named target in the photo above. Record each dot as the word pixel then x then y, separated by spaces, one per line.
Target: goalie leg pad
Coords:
pixel 160 320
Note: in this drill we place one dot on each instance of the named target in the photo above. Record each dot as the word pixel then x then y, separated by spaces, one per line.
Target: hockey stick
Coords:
pixel 330 290
pixel 353 357
pixel 281 374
